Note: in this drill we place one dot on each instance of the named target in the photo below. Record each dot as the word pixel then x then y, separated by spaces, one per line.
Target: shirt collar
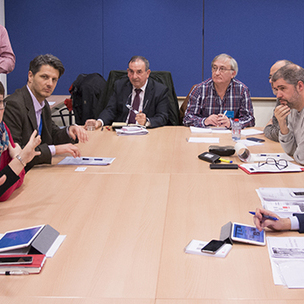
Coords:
pixel 36 103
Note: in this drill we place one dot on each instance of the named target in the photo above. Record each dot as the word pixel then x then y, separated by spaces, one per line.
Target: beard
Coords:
pixel 292 102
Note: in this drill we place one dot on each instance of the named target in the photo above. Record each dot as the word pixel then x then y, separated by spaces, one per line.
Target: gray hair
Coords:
pixel 286 61
pixel 146 62
pixel 233 63
pixel 291 73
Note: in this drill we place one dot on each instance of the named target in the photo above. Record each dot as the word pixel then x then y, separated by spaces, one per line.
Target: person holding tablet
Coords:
pixel 12 158
pixel 295 222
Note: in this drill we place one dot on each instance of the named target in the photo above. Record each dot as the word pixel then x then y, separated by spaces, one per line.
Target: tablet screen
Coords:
pixel 248 234
pixel 19 238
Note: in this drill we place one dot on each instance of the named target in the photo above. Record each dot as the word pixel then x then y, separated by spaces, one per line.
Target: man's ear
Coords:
pixel 300 86
pixel 30 76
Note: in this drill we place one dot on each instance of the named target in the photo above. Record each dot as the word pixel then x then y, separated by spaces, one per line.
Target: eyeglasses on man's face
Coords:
pixel 222 69
pixel 2 104
pixel 280 164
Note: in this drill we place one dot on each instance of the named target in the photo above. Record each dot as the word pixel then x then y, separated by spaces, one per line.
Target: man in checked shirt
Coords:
pixel 219 100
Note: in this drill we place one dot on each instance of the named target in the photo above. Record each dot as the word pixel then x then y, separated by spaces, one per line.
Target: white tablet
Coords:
pixel 247 234
pixel 19 238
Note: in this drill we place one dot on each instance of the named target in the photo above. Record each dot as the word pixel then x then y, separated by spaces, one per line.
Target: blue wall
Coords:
pixel 256 33
pixel 100 36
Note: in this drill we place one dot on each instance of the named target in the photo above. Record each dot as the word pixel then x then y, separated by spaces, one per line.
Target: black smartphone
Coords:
pixel 255 139
pixel 213 246
pixel 15 260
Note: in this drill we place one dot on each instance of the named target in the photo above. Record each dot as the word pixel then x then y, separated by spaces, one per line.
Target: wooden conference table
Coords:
pixel 127 225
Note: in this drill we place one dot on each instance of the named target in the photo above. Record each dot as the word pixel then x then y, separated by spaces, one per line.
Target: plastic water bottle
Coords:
pixel 236 130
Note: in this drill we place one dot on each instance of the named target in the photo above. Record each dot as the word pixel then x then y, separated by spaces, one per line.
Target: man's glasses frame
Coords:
pixel 222 69
pixel 280 164
pixel 2 104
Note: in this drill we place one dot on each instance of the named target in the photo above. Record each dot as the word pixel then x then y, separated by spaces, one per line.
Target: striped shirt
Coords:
pixel 204 101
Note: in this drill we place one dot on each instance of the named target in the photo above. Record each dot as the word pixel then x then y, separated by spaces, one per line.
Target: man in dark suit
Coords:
pixel 27 110
pixel 152 109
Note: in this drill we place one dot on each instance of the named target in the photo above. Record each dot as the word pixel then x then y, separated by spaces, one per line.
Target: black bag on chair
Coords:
pixel 87 92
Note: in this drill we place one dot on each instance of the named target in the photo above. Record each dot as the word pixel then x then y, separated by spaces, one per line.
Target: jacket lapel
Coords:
pixel 148 94
pixel 30 108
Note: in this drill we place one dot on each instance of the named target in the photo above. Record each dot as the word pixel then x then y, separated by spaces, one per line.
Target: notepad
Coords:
pixel 195 246
pixel 253 168
pixel 137 130
pixel 211 140
pixel 87 161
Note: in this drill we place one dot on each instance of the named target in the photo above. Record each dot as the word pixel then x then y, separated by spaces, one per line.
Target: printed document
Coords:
pixel 287 260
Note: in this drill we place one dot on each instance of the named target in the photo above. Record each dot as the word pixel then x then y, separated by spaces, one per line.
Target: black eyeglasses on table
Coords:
pixel 280 164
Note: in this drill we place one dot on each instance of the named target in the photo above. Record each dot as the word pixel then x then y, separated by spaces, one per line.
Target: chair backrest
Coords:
pixel 163 77
pixel 87 93
pixel 184 105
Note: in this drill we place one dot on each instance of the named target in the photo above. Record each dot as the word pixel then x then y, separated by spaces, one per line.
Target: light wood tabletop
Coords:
pixel 127 225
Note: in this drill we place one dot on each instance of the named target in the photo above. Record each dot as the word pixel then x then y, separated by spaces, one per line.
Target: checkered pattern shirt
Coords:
pixel 204 101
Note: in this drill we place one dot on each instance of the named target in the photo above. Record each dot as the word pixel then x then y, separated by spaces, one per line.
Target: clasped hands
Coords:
pixel 141 119
pixel 218 120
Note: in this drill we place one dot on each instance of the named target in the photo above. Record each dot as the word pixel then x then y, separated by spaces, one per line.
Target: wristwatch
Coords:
pixel 148 123
pixel 21 160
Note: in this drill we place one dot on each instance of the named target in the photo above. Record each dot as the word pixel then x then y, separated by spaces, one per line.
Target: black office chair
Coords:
pixel 163 77
pixel 87 93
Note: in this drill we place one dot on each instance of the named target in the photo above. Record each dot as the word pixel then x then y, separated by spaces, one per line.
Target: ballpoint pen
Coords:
pixel 14 272
pixel 266 216
pixel 225 160
pixel 270 155
pixel 225 113
pixel 131 109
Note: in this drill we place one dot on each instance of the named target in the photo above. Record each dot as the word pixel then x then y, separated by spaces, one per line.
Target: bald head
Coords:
pixel 276 66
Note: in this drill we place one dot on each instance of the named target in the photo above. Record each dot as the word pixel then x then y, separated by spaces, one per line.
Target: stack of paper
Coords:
pixel 138 130
pixel 261 157
pixel 87 161
pixel 195 246
pixel 210 130
pixel 34 267
pixel 287 260
pixel 282 201
pixel 253 168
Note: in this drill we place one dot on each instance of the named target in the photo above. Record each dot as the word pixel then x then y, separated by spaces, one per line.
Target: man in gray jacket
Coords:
pixel 288 84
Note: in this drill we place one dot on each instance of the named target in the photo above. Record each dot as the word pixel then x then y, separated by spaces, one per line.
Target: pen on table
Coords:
pixel 278 155
pixel 225 160
pixel 108 128
pixel 14 272
pixel 266 216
